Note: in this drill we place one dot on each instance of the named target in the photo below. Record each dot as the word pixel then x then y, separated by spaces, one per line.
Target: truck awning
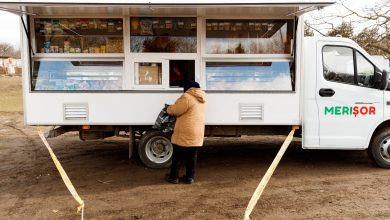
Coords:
pixel 161 7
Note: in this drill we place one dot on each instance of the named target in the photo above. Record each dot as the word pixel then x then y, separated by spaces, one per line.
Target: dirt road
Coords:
pixel 306 185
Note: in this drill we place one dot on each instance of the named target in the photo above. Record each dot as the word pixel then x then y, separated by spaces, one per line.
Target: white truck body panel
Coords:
pixel 142 108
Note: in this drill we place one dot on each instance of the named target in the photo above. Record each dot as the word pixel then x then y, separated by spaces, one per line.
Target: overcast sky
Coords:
pixel 9 28
pixel 9 23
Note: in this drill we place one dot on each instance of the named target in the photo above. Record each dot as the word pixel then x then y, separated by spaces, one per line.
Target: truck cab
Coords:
pixel 346 104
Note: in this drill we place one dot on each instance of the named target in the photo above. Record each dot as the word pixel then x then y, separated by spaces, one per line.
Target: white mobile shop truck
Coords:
pixel 103 68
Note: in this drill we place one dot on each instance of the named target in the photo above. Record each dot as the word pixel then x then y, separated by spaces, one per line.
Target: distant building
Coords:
pixel 11 66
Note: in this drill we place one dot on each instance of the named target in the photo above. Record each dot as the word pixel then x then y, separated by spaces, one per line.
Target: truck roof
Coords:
pixel 265 8
pixel 171 2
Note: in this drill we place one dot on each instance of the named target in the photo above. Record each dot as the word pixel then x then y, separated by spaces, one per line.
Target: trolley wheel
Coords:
pixel 379 150
pixel 155 149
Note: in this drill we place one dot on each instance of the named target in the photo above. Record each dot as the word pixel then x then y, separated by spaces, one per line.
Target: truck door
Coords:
pixel 349 105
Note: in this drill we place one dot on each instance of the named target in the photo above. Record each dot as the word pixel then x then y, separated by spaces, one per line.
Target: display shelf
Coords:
pixel 76 35
pixel 79 55
pixel 82 32
pixel 248 57
pixel 238 34
pixel 168 32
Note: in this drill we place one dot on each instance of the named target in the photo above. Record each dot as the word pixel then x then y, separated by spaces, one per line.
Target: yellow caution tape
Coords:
pixel 267 176
pixel 63 174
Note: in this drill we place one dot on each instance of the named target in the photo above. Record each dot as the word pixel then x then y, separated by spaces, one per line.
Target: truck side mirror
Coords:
pixel 384 80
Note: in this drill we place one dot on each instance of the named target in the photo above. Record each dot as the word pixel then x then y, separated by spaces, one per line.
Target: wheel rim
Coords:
pixel 159 149
pixel 385 149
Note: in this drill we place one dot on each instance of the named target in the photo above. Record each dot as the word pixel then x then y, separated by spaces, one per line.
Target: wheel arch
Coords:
pixel 379 127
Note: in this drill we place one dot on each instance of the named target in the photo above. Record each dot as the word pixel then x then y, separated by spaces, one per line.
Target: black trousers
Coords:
pixel 188 155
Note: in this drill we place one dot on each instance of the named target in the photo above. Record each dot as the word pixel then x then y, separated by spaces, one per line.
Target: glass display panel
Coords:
pixel 181 71
pixel 148 73
pixel 77 75
pixel 365 71
pixel 79 35
pixel 248 36
pixel 163 34
pixel 241 76
pixel 338 64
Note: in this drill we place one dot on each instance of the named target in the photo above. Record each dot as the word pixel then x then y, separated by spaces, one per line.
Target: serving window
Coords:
pixel 77 54
pixel 249 55
pixel 162 73
pixel 181 71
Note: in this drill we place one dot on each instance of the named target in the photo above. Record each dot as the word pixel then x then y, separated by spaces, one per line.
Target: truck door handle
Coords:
pixel 326 92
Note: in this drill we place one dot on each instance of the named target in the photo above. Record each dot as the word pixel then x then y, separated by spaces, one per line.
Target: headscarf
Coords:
pixel 190 84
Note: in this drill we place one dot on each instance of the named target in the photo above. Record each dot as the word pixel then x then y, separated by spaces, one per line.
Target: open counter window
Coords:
pixel 77 75
pixel 78 35
pixel 162 73
pixel 249 76
pixel 163 34
pixel 240 36
pixel 181 71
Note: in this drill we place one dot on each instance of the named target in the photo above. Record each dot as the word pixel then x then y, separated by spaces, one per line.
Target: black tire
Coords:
pixel 155 149
pixel 379 150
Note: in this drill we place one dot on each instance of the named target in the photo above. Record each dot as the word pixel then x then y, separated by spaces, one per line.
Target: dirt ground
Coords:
pixel 308 184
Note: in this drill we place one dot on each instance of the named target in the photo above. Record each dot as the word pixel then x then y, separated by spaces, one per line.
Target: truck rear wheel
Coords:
pixel 379 150
pixel 155 149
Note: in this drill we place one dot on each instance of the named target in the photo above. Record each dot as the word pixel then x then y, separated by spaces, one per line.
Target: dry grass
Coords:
pixel 11 98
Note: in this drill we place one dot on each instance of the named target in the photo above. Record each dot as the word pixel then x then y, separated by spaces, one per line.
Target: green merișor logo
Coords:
pixel 348 110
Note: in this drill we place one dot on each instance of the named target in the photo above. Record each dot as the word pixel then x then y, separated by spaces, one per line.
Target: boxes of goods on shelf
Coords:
pixel 79 35
pixel 149 74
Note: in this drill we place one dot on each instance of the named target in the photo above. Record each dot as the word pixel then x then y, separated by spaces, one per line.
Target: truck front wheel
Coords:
pixel 379 150
pixel 155 149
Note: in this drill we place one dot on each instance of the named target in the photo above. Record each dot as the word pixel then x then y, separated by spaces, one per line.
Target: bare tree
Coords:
pixel 308 30
pixel 345 30
pixel 368 39
pixel 375 38
pixel 6 50
pixel 16 54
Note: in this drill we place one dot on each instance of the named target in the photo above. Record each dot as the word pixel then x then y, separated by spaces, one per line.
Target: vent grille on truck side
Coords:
pixel 251 112
pixel 76 111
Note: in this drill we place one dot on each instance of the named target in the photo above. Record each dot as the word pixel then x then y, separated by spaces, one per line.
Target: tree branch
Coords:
pixel 309 26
